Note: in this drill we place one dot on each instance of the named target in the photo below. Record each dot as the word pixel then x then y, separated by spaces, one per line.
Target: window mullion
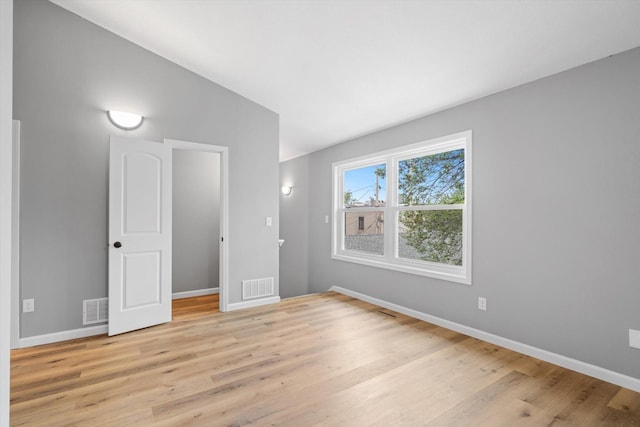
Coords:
pixel 390 215
pixel 432 207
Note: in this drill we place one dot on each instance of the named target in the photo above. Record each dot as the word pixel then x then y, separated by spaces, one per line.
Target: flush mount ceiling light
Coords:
pixel 286 190
pixel 124 120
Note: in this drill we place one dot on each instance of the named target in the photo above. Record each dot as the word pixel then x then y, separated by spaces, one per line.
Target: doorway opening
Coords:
pixel 196 223
pixel 200 206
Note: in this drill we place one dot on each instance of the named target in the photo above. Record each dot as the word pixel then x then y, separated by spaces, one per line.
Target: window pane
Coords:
pixel 434 235
pixel 437 179
pixel 365 186
pixel 370 237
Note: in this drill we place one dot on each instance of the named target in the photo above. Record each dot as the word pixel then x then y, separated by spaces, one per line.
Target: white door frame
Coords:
pixel 15 240
pixel 6 197
pixel 224 208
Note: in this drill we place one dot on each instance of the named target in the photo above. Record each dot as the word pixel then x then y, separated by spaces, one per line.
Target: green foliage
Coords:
pixel 436 235
pixel 433 180
pixel 348 197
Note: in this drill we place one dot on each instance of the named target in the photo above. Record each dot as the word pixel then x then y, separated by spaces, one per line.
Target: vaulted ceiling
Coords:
pixel 338 69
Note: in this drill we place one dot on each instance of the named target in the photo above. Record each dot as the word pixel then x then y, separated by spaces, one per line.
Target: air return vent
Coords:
pixel 95 311
pixel 257 288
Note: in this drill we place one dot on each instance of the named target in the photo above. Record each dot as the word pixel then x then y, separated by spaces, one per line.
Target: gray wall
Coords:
pixel 196 220
pixel 294 228
pixel 556 167
pixel 67 73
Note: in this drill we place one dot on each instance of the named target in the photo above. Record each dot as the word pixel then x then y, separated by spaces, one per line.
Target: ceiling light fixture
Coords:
pixel 286 190
pixel 124 120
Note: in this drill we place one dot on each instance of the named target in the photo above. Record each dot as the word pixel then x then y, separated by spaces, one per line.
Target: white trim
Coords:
pixel 194 146
pixel 63 336
pixel 15 236
pixel 604 374
pixel 94 330
pixel 435 145
pixel 103 329
pixel 6 197
pixel 253 303
pixel 196 293
pixel 224 209
pixel 404 266
pixel 390 259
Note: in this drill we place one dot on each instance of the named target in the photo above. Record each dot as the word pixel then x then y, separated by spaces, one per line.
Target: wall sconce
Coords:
pixel 286 190
pixel 124 120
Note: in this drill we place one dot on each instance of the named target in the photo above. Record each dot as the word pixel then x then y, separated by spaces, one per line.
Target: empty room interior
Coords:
pixel 337 213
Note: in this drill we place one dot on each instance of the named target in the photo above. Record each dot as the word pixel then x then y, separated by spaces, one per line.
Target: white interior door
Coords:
pixel 139 234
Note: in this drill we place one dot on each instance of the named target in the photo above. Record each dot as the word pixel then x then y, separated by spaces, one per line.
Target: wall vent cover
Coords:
pixel 95 311
pixel 257 288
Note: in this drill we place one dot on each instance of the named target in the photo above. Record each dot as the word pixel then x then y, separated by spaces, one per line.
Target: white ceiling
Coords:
pixel 335 70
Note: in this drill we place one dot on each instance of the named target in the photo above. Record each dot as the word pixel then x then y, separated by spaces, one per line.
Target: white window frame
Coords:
pixel 390 259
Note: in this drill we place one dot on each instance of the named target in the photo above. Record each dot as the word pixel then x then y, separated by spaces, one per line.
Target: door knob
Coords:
pixel 117 244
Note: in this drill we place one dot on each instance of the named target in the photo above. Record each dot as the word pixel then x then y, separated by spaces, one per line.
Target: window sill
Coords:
pixel 451 274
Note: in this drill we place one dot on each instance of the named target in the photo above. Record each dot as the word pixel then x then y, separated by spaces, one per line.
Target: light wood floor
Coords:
pixel 322 359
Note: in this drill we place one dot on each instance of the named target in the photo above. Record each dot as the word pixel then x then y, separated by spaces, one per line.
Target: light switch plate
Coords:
pixel 634 338
pixel 28 305
pixel 268 222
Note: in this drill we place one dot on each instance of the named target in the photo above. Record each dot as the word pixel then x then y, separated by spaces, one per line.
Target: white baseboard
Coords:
pixel 63 336
pixel 557 359
pixel 196 293
pixel 95 330
pixel 253 303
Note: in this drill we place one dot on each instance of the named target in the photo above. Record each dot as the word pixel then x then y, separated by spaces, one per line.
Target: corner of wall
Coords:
pixel 6 225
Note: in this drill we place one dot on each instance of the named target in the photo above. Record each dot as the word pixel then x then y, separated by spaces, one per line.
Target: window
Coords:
pixel 407 209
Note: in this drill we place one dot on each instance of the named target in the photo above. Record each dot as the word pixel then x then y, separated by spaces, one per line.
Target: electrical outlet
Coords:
pixel 634 338
pixel 482 304
pixel 28 305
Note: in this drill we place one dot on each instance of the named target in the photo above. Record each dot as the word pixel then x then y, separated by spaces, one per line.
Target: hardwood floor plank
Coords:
pixel 323 359
pixel 497 404
pixel 625 400
pixel 294 404
pixel 445 378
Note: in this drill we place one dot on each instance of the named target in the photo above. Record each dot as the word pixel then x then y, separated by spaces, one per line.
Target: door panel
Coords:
pixel 139 234
pixel 141 283
pixel 142 199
